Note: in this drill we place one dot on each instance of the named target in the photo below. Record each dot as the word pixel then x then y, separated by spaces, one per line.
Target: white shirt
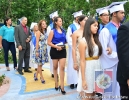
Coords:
pixel 106 41
pixel 69 33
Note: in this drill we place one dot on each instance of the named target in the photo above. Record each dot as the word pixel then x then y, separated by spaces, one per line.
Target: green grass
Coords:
pixel 2 57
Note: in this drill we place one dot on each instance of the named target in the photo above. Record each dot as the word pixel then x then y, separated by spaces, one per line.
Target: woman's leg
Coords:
pixel 40 72
pixel 37 71
pixel 5 45
pixel 13 51
pixel 62 72
pixel 55 67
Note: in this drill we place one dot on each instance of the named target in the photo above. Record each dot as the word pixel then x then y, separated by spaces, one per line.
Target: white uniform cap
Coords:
pixel 50 15
pixel 102 10
pixel 116 6
pixel 76 14
pixel 32 25
pixel 54 14
pixel 19 20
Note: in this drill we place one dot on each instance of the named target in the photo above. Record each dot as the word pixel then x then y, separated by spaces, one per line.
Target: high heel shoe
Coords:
pixel 35 78
pixel 42 81
pixel 63 92
pixel 56 88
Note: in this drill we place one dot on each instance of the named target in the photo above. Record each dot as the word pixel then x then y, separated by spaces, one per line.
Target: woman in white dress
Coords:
pixel 90 49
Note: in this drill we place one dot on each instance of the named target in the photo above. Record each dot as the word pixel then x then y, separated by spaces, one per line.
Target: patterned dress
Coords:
pixel 43 54
pixel 77 51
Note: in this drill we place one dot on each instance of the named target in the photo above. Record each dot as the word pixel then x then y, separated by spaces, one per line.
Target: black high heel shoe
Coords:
pixel 35 78
pixel 56 88
pixel 63 92
pixel 42 81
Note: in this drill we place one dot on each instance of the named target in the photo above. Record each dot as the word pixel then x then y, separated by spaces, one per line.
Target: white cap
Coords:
pixel 54 14
pixel 19 20
pixel 116 6
pixel 32 25
pixel 76 14
pixel 102 10
pixel 50 15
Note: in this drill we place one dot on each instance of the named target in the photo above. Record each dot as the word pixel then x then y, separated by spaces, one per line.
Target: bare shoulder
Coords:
pixel 51 32
pixel 38 33
pixel 82 42
pixel 75 32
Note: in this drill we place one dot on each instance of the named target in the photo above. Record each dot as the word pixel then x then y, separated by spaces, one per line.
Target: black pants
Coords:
pixel 9 46
pixel 124 91
pixel 24 54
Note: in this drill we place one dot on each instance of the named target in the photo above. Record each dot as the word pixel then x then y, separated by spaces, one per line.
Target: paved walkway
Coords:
pixel 17 89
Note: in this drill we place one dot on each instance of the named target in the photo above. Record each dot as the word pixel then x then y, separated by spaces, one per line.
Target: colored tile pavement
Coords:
pixel 18 86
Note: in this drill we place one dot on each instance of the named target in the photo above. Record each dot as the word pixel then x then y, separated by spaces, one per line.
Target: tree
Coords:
pixel 36 10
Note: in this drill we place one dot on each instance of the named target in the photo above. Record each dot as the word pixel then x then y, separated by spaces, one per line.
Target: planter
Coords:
pixel 2 77
pixel 4 87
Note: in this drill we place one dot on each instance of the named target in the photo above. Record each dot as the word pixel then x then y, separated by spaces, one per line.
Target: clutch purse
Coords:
pixel 62 46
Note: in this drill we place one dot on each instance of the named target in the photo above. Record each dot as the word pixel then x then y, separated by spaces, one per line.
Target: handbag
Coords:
pixel 62 46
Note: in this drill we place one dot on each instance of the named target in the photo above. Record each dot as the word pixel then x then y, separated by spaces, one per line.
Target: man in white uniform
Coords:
pixel 104 17
pixel 32 44
pixel 49 28
pixel 108 37
pixel 72 76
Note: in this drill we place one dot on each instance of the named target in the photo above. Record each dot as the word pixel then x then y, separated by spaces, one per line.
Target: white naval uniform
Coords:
pixel 109 61
pixel 48 48
pixel 72 76
pixel 31 64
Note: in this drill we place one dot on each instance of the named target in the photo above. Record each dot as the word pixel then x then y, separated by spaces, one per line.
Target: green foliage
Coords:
pixel 2 79
pixel 36 10
pixel 2 57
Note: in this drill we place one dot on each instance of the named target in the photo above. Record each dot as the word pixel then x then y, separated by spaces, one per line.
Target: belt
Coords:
pixel 92 58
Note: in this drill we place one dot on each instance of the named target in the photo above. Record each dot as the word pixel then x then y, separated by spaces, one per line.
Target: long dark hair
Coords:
pixel 55 26
pixel 87 34
pixel 81 18
pixel 54 22
pixel 6 19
